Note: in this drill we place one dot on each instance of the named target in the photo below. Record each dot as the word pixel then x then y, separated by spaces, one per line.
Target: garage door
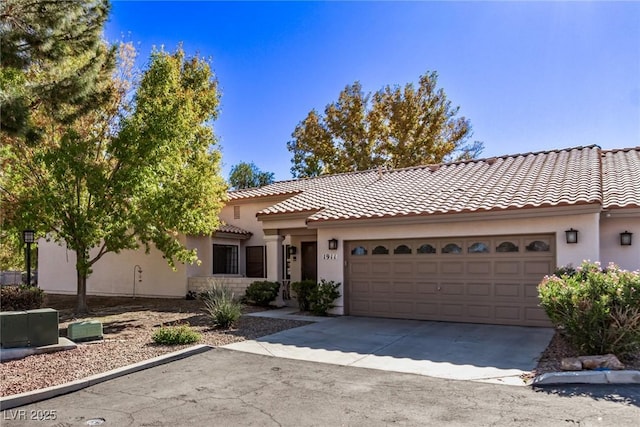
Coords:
pixel 480 279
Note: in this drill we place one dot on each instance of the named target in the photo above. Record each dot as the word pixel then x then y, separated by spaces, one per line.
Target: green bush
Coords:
pixel 303 292
pixel 262 293
pixel 323 296
pixel 599 310
pixel 175 335
pixel 222 306
pixel 19 298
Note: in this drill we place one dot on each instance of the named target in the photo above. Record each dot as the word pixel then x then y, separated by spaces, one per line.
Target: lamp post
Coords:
pixel 28 236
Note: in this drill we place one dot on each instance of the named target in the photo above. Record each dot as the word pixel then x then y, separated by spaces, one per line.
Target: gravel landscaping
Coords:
pixel 128 327
pixel 129 324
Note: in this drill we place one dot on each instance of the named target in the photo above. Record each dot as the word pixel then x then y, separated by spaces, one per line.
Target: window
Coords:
pixel 427 249
pixel 359 251
pixel 451 248
pixel 478 248
pixel 538 246
pixel 380 250
pixel 225 259
pixel 402 250
pixel 507 247
pixel 255 261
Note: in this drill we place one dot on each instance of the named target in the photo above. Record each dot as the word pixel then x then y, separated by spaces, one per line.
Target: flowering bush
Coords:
pixel 598 309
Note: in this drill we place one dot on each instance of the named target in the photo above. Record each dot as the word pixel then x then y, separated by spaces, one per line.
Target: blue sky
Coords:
pixel 530 76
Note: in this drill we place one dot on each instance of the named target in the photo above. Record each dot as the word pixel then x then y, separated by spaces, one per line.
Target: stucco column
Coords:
pixel 274 262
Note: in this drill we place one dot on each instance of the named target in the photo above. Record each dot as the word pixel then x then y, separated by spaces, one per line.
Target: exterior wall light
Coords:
pixel 333 244
pixel 625 238
pixel 572 236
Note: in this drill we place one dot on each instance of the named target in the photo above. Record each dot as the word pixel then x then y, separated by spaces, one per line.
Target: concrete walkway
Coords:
pixel 461 351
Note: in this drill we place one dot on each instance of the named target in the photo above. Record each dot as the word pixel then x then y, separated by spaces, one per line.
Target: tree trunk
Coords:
pixel 81 301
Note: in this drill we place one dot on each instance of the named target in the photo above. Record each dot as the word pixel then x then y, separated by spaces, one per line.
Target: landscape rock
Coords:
pixel 571 364
pixel 606 361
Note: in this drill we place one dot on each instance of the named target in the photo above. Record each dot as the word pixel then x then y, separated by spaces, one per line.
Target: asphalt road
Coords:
pixel 226 388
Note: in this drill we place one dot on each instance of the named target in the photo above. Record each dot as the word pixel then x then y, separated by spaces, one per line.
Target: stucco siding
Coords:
pixel 627 257
pixel 113 274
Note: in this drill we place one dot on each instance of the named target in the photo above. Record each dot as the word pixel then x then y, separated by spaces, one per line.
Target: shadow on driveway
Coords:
pixel 627 394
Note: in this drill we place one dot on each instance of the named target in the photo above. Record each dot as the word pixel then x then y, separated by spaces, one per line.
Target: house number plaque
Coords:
pixel 330 256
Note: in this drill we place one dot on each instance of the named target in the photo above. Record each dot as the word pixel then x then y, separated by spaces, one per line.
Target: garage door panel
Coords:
pixel 360 306
pixel 496 285
pixel 531 290
pixel 452 310
pixel 452 289
pixel 359 287
pixel 429 288
pixel 425 267
pixel 507 267
pixel 508 290
pixel 379 289
pixel 406 288
pixel 507 313
pixel 425 308
pixel 535 313
pixel 381 268
pixel 382 307
pixel 479 289
pixel 359 267
pixel 479 267
pixel 403 268
pixel 452 267
pixel 540 267
pixel 480 312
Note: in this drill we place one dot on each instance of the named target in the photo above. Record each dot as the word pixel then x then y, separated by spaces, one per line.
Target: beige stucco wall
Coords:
pixel 202 244
pixel 331 263
pixel 113 274
pixel 627 257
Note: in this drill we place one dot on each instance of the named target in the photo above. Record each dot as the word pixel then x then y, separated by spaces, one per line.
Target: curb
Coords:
pixel 588 377
pixel 9 402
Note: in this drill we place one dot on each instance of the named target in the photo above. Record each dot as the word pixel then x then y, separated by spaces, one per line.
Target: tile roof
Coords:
pixel 621 178
pixel 232 229
pixel 551 178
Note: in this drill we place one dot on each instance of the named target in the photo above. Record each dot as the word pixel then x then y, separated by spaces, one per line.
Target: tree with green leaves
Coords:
pixel 124 175
pixel 248 175
pixel 395 127
pixel 52 58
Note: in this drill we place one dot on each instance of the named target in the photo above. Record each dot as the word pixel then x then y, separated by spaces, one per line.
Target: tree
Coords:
pixel 248 175
pixel 51 57
pixel 395 127
pixel 125 176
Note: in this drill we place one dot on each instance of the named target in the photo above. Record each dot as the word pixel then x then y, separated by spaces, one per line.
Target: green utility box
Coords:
pixel 84 331
pixel 14 329
pixel 43 327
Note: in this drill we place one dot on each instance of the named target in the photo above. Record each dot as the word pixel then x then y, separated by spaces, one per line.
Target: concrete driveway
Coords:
pixel 461 351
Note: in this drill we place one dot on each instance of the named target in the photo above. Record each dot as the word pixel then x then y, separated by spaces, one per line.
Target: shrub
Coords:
pixel 303 292
pixel 599 310
pixel 175 335
pixel 262 293
pixel 19 298
pixel 323 296
pixel 222 306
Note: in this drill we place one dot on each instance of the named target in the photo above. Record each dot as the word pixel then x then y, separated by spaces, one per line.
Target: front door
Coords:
pixel 310 261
